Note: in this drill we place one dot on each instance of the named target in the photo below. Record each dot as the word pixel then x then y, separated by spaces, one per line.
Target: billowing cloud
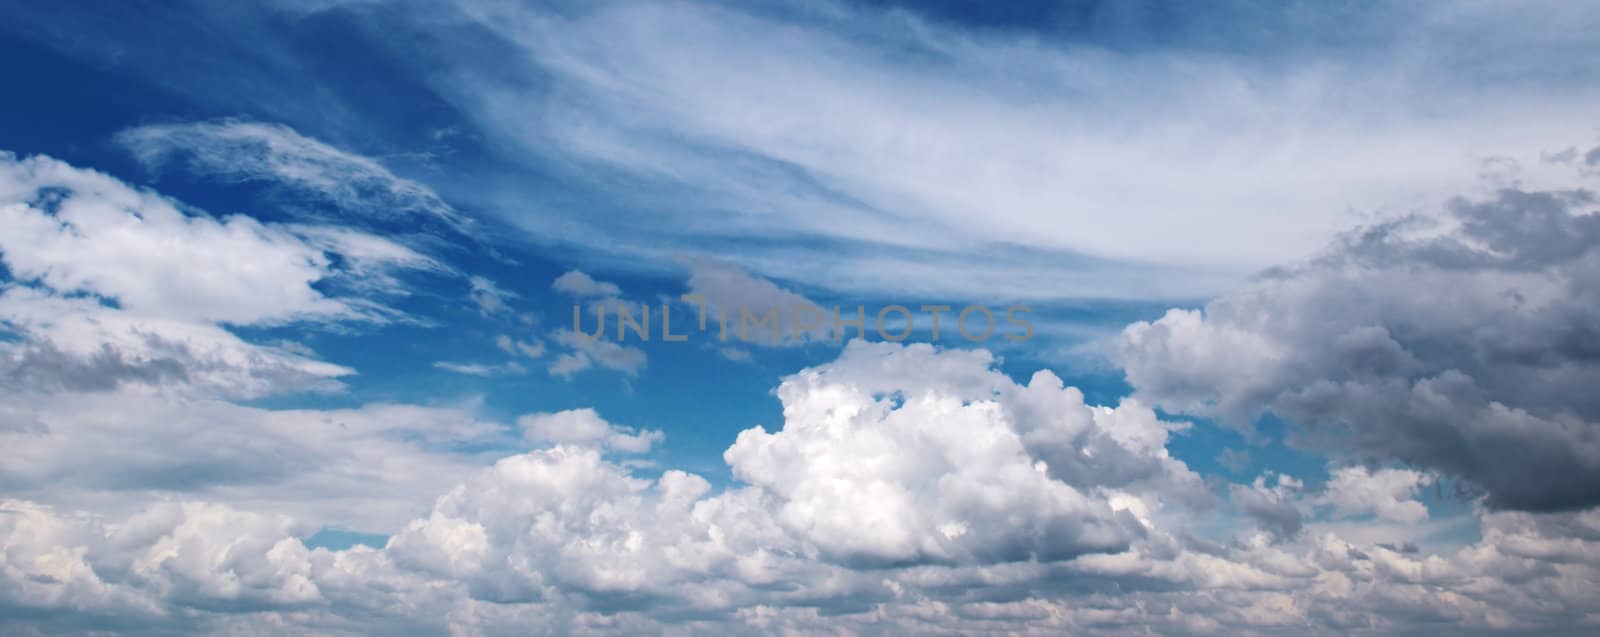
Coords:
pixel 163 474
pixel 850 517
pixel 1462 344
pixel 1274 507
pixel 112 285
pixel 1390 494
pixel 122 308
pixel 75 230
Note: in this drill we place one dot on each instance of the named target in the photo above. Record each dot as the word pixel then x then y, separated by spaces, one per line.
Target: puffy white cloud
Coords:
pixel 900 469
pixel 849 521
pixel 112 285
pixel 579 284
pixel 1282 505
pixel 869 469
pixel 909 489
pixel 1387 493
pixel 586 427
pixel 76 230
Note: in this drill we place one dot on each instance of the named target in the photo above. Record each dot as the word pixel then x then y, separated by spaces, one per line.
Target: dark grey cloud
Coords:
pixel 1274 509
pixel 41 366
pixel 1466 343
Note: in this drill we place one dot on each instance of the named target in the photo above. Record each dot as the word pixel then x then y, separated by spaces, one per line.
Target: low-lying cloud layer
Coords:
pixel 909 490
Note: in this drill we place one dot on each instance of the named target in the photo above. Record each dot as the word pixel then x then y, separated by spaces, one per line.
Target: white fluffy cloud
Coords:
pixel 853 517
pixel 1390 494
pixel 579 284
pixel 114 285
pixel 586 427
pixel 124 307
pixel 76 230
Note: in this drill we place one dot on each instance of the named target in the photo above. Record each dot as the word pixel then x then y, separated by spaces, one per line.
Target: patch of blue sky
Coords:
pixel 340 539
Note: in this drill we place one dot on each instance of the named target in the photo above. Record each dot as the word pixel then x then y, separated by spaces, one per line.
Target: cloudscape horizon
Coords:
pixel 685 317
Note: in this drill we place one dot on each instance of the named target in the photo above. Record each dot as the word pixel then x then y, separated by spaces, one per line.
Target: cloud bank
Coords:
pixel 1462 343
pixel 909 490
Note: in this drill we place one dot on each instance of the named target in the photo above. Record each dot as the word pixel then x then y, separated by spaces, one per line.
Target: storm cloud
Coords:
pixel 1466 342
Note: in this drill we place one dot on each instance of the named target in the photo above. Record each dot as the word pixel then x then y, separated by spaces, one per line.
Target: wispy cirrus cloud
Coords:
pixel 900 151
pixel 276 155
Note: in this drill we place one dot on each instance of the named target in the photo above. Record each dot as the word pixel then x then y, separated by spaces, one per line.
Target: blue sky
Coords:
pixel 1312 288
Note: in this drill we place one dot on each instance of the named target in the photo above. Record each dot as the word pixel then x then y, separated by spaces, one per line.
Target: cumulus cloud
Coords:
pixel 586 427
pixel 1274 507
pixel 579 284
pixel 75 230
pixel 904 479
pixel 907 490
pixel 1461 343
pixel 1387 493
pixel 913 504
pixel 122 308
pixel 113 285
pixel 900 470
pixel 79 344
